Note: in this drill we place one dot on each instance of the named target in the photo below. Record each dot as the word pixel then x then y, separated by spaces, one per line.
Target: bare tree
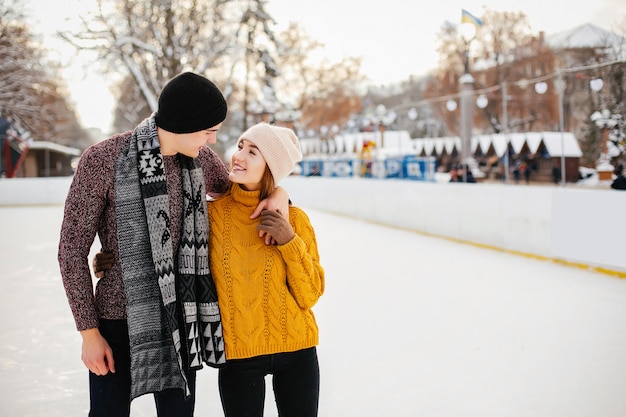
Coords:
pixel 258 48
pixel 145 42
pixel 299 75
pixel 150 41
pixel 324 93
pixel 30 93
pixel 450 50
pixel 502 39
pixel 335 97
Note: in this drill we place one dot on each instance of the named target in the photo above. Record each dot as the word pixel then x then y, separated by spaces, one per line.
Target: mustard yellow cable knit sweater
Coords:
pixel 265 292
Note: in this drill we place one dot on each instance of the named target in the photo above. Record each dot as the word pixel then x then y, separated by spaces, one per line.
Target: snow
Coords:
pixel 410 325
pixel 553 141
pixel 584 36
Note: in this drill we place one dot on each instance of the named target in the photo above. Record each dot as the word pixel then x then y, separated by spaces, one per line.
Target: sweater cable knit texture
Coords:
pixel 265 292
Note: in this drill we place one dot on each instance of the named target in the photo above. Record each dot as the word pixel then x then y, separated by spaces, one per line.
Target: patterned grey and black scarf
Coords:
pixel 148 269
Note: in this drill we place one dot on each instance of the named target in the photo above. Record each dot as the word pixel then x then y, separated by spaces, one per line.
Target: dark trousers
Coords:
pixel 110 394
pixel 296 383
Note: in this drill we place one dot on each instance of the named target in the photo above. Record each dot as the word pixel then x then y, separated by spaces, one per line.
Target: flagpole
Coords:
pixel 469 26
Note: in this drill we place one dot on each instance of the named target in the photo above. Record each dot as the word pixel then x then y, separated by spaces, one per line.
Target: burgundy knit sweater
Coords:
pixel 90 210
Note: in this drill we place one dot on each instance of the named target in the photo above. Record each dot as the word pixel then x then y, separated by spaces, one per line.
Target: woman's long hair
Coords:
pixel 267 184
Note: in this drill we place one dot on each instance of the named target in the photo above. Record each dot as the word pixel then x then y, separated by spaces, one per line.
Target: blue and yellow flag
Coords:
pixel 467 17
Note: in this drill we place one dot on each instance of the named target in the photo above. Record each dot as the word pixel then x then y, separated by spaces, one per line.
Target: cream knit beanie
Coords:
pixel 278 145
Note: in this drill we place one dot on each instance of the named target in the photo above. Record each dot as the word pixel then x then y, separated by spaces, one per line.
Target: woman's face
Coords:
pixel 247 166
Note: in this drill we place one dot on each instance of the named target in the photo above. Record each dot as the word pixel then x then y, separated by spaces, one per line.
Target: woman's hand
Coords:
pixel 278 201
pixel 274 224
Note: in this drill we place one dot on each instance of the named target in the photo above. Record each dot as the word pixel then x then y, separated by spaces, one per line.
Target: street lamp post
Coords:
pixel 412 116
pixel 383 119
pixel 451 106
pixel 468 32
pixel 505 130
pixel 559 84
pixel 467 112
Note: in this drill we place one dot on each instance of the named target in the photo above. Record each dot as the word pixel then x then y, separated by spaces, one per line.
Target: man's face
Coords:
pixel 189 144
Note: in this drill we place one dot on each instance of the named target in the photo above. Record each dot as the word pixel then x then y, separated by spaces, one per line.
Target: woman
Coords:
pixel 265 292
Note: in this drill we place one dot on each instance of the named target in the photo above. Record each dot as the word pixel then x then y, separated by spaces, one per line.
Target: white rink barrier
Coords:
pixel 33 191
pixel 581 226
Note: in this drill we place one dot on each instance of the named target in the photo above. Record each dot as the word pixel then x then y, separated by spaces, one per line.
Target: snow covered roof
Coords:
pixel 553 141
pixel 395 142
pixel 585 36
pixel 400 143
pixel 54 147
pixel 533 140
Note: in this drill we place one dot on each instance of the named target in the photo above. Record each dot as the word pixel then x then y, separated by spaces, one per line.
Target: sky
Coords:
pixel 410 325
pixel 395 38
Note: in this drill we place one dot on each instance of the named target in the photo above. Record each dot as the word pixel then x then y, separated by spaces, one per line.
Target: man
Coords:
pixel 154 319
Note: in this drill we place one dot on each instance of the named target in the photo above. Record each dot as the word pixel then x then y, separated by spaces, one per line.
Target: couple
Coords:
pixel 156 315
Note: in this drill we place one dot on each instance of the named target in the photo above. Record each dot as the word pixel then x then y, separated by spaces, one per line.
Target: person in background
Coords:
pixel 265 293
pixel 315 171
pixel 454 175
pixel 517 168
pixel 619 183
pixel 154 318
pixel 469 176
pixel 556 173
pixel 526 168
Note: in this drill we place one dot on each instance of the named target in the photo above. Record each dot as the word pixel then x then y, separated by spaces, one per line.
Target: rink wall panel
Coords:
pixel 33 191
pixel 569 224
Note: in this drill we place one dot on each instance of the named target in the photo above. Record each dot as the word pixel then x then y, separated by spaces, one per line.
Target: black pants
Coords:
pixel 110 394
pixel 296 383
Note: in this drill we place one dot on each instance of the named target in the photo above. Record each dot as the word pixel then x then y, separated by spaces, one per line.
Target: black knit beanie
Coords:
pixel 189 103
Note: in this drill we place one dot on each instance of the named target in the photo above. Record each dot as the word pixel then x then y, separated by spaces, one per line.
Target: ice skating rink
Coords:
pixel 410 325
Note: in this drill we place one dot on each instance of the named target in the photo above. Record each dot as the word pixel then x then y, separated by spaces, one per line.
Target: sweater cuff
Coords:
pixel 294 248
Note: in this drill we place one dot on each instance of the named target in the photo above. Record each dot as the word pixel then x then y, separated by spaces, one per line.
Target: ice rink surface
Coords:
pixel 410 325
